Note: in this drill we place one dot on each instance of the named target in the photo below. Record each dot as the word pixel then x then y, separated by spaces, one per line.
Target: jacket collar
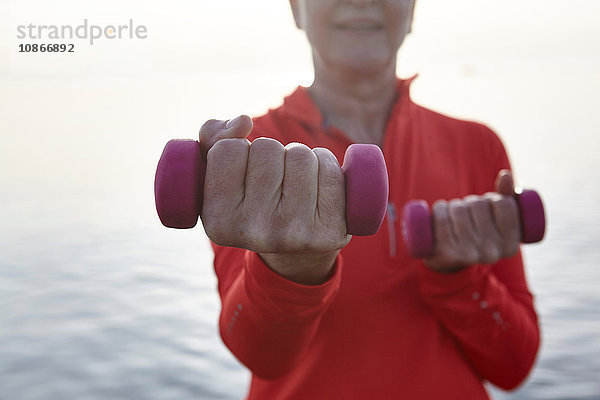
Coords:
pixel 300 106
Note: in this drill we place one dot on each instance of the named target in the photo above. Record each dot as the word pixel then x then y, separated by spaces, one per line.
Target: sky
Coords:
pixel 206 59
pixel 186 36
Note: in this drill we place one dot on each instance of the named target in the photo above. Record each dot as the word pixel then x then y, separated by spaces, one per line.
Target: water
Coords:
pixel 105 317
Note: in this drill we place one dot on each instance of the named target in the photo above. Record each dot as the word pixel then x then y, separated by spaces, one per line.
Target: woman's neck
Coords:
pixel 357 104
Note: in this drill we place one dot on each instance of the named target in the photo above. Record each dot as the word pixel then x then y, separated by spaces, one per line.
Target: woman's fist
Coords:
pixel 476 229
pixel 274 200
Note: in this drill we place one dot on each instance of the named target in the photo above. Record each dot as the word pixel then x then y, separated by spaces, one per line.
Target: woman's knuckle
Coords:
pixel 491 254
pixel 457 205
pixel 229 147
pixel 511 249
pixel 216 233
pixel 472 256
pixel 300 152
pixel 265 145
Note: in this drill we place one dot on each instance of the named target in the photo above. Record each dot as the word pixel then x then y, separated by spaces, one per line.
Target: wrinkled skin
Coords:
pixel 285 203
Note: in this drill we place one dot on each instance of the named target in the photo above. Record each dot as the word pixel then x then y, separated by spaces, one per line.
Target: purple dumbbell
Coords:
pixel 179 186
pixel 417 226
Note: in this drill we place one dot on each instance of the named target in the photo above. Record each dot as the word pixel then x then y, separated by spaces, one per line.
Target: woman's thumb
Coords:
pixel 504 183
pixel 214 130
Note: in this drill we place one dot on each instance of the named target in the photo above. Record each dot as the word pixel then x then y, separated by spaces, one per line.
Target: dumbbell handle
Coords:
pixel 417 226
pixel 179 186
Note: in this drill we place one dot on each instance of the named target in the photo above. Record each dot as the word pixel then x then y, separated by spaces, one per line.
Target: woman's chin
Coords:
pixel 364 65
pixel 357 60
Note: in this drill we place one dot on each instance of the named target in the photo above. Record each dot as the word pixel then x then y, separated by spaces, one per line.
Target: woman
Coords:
pixel 315 315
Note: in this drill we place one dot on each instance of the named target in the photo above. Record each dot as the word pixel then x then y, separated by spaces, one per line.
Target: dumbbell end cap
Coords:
pixel 416 229
pixel 533 219
pixel 367 189
pixel 179 183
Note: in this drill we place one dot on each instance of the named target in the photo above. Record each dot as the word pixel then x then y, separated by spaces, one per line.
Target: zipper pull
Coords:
pixel 391 217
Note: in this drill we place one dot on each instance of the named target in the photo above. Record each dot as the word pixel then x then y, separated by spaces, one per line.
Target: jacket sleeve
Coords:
pixel 488 309
pixel 267 321
pixel 490 313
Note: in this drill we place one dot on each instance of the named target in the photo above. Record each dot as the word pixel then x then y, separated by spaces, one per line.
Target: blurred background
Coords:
pixel 98 300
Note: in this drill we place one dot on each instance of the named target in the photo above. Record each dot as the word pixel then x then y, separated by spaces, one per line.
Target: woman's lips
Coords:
pixel 359 26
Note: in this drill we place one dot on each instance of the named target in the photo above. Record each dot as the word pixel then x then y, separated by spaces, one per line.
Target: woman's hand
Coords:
pixel 476 229
pixel 285 203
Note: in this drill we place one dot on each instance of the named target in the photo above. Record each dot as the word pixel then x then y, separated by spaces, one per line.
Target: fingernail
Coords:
pixel 233 122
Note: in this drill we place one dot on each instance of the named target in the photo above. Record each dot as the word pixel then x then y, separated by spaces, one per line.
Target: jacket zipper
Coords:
pixel 391 217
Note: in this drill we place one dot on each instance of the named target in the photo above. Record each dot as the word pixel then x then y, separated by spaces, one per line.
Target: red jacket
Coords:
pixel 384 326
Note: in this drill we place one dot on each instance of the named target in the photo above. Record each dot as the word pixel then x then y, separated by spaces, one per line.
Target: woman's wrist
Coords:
pixel 303 268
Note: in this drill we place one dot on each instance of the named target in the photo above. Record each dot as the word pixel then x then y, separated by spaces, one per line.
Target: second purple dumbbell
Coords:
pixel 417 227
